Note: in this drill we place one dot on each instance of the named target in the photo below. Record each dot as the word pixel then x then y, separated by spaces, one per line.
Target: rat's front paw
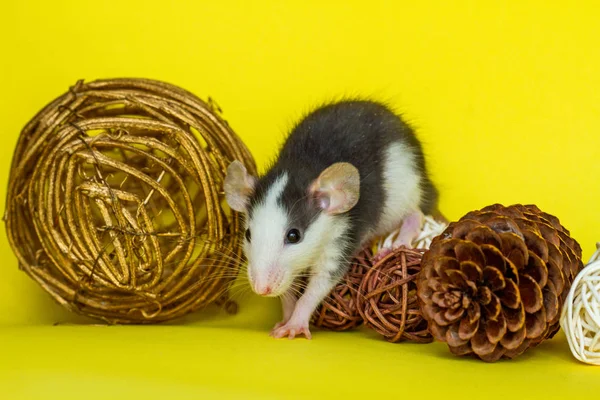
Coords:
pixel 386 251
pixel 381 254
pixel 278 325
pixel 291 330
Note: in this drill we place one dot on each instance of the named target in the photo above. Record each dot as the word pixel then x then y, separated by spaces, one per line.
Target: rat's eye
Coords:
pixel 293 236
pixel 248 236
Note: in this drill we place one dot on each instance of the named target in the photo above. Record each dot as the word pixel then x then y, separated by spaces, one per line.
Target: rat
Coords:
pixel 348 172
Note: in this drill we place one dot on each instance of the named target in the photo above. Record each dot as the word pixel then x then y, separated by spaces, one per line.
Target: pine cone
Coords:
pixel 493 284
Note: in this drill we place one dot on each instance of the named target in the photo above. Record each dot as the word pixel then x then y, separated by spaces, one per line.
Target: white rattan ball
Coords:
pixel 580 317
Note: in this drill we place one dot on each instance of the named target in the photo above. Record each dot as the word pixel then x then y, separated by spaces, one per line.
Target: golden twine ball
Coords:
pixel 387 299
pixel 115 203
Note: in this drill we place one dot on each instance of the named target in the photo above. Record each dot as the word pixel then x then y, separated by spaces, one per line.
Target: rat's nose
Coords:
pixel 265 291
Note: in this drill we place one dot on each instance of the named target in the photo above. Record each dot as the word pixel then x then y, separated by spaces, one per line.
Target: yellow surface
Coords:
pixel 505 96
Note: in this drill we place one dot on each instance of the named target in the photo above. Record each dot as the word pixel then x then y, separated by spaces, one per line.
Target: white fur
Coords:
pixel 274 264
pixel 267 229
pixel 402 185
pixel 319 241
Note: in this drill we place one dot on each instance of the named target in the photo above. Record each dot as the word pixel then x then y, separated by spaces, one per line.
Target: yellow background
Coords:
pixel 506 99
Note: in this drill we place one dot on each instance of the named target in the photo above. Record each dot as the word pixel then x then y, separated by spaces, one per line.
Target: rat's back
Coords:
pixel 377 142
pixel 355 131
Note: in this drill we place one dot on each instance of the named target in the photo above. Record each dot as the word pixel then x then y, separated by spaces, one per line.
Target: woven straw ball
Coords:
pixel 581 313
pixel 387 299
pixel 339 311
pixel 115 203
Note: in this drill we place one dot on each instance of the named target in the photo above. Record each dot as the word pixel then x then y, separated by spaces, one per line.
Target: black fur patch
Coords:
pixel 354 131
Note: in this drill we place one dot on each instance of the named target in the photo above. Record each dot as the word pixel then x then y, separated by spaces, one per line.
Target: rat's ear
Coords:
pixel 238 186
pixel 337 189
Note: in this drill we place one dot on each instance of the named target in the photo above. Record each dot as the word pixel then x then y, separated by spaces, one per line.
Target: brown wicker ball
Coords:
pixel 339 311
pixel 115 203
pixel 387 299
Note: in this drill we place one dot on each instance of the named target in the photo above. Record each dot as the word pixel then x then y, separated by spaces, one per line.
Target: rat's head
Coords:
pixel 287 226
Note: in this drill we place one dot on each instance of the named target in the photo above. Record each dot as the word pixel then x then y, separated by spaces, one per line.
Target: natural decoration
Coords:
pixel 115 204
pixel 493 284
pixel 387 299
pixel 391 307
pixel 339 311
pixel 581 313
